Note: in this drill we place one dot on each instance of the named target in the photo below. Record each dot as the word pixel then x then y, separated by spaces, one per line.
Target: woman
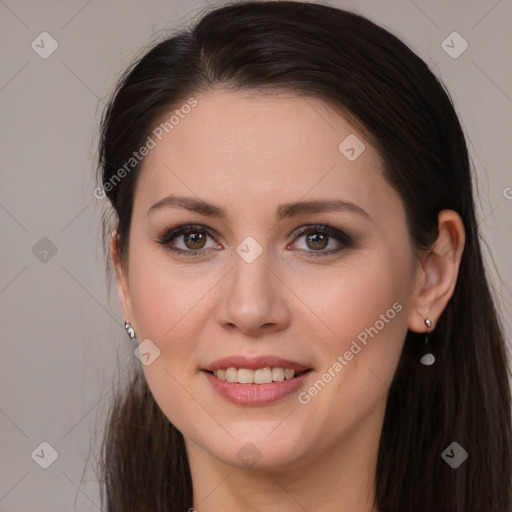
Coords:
pixel 298 261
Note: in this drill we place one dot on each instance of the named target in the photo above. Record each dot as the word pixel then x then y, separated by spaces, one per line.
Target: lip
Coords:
pixel 255 394
pixel 254 363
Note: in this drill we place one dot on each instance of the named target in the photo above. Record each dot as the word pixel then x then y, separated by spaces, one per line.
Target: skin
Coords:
pixel 233 150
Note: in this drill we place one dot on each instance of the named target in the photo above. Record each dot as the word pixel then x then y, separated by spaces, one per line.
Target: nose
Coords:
pixel 254 298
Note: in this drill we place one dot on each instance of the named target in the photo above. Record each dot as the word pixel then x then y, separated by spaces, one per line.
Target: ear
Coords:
pixel 122 279
pixel 438 272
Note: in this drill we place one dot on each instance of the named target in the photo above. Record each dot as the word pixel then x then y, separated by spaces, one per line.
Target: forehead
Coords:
pixel 240 147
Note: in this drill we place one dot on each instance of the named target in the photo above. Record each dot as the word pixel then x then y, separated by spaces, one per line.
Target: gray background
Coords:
pixel 61 336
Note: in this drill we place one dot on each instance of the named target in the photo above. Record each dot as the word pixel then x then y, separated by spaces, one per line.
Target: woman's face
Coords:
pixel 331 303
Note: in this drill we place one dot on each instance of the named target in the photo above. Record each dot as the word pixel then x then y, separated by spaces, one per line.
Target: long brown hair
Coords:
pixel 368 74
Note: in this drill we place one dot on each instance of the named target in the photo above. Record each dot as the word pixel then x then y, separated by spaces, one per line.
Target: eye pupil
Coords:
pixel 315 238
pixel 195 238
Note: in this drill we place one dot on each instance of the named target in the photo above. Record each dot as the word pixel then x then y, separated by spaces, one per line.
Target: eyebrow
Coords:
pixel 295 209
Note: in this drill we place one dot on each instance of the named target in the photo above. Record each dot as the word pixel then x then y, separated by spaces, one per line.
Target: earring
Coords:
pixel 130 331
pixel 428 358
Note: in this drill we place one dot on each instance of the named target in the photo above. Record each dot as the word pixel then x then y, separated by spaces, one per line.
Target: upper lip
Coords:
pixel 254 363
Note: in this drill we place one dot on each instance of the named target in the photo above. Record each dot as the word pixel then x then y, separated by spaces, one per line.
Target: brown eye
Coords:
pixel 318 238
pixel 194 240
pixel 317 241
pixel 188 240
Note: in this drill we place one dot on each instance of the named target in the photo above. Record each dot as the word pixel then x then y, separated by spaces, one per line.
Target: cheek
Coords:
pixel 166 294
pixel 359 314
pixel 368 290
pixel 168 305
pixel 365 309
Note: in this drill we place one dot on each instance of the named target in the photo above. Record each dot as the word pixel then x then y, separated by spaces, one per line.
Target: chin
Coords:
pixel 259 451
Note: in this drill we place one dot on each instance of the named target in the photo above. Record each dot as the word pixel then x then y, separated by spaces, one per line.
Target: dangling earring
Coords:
pixel 130 331
pixel 428 358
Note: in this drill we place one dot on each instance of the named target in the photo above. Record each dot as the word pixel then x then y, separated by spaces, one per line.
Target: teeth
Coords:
pixel 231 374
pixel 261 376
pixel 277 374
pixel 245 376
pixel 288 374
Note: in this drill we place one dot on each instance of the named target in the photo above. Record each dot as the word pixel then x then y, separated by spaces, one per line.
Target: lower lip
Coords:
pixel 255 394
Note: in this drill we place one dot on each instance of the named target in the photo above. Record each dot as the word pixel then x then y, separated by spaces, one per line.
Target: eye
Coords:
pixel 192 239
pixel 319 237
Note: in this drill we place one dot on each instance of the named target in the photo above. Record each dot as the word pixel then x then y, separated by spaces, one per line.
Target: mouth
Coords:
pixel 265 375
pixel 257 381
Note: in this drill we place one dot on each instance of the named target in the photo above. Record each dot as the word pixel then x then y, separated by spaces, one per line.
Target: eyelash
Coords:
pixel 172 232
